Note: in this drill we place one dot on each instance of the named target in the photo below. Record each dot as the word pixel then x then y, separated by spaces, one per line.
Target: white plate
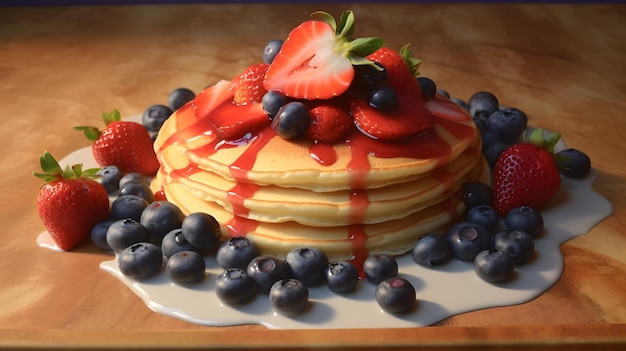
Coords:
pixel 442 292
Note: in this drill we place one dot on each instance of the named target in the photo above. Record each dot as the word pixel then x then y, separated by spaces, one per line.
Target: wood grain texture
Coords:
pixel 565 65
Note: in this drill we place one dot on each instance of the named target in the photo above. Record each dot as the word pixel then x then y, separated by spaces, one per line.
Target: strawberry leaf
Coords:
pixel 362 47
pixel 92 133
pixel 113 116
pixel 412 62
pixel 346 24
pixel 326 18
pixel 53 171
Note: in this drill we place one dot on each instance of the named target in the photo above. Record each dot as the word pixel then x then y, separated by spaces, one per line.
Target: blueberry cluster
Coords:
pixel 494 245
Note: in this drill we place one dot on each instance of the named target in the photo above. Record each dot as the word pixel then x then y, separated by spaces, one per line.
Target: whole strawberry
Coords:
pixel 330 122
pixel 124 144
pixel 401 68
pixel 526 174
pixel 71 202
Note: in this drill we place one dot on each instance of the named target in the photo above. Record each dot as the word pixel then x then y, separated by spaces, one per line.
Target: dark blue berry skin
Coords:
pixel 138 188
pixel 379 267
pixel 235 287
pixel 141 260
pixel 202 230
pixel 428 87
pixel 110 180
pixel 154 117
pixel 431 250
pixel 494 266
pixel 459 102
pixel 291 120
pixel 341 277
pixel 368 77
pixel 467 239
pixel 384 98
pixel 289 296
pixel 515 243
pixel 476 194
pixel 271 50
pixel 307 265
pixel 161 217
pixel 485 216
pixel 186 267
pixel 99 235
pixel 236 252
pixel 179 97
pixel 526 219
pixel 125 232
pixel 494 151
pixel 127 206
pixel 133 176
pixel 573 163
pixel 482 104
pixel 396 295
pixel 272 102
pixel 174 242
pixel 267 270
pixel 508 124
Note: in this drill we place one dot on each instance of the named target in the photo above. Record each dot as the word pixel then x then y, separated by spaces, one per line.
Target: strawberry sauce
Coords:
pixel 427 145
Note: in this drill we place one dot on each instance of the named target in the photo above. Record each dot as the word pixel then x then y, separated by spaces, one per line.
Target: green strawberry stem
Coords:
pixel 93 133
pixel 53 171
pixel 412 62
pixel 536 137
pixel 354 49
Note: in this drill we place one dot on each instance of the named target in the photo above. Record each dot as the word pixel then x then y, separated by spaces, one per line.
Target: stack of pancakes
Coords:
pixel 348 199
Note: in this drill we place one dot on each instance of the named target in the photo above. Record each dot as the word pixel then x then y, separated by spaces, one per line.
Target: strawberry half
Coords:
pixel 248 85
pixel 401 68
pixel 70 203
pixel 124 144
pixel 330 121
pixel 409 119
pixel 315 61
pixel 231 122
pixel 526 174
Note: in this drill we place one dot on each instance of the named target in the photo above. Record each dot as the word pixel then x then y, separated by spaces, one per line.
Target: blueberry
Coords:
pixel 341 277
pixel 485 216
pixel 271 50
pixel 127 206
pixel 428 87
pixel 236 252
pixel 140 260
pixel 493 152
pixel 431 250
pixel 289 296
pixel 526 219
pixel 384 98
pixel 201 229
pixel 444 93
pixel 488 139
pixel 494 266
pixel 467 239
pixel 154 117
pixel 235 287
pixel 125 232
pixel 175 241
pixel 186 267
pixel 267 270
pixel 460 102
pixel 110 180
pixel 482 104
pixel 396 295
pixel 307 265
pixel 161 217
pixel 99 235
pixel 138 188
pixel 179 97
pixel 379 267
pixel 508 124
pixel 272 102
pixel 573 163
pixel 515 243
pixel 476 194
pixel 133 176
pixel 366 78
pixel 291 120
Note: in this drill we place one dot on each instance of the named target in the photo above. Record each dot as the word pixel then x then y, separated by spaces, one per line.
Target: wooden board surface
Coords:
pixel 565 65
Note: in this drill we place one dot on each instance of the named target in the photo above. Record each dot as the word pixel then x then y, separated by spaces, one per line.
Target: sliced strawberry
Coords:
pixel 410 119
pixel 315 62
pixel 330 121
pixel 401 68
pixel 211 97
pixel 232 122
pixel 248 85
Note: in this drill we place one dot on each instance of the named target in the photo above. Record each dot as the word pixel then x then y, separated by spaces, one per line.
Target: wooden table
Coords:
pixel 565 65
